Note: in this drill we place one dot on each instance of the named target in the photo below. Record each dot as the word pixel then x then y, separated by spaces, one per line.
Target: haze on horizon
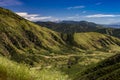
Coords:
pixel 98 11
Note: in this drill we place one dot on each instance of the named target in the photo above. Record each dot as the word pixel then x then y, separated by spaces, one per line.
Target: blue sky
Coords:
pixel 99 11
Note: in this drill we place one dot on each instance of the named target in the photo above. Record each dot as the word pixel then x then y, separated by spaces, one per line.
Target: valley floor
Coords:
pixel 52 67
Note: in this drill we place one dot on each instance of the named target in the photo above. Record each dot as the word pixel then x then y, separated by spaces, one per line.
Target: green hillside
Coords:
pixel 45 54
pixel 94 40
pixel 108 69
pixel 90 40
pixel 20 38
pixel 10 70
pixel 110 31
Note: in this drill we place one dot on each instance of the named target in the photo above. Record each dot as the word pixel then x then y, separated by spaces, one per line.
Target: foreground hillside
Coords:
pixel 10 70
pixel 108 69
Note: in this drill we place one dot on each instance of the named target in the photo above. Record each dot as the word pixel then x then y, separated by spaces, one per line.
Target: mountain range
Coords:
pixel 71 26
pixel 81 26
pixel 113 25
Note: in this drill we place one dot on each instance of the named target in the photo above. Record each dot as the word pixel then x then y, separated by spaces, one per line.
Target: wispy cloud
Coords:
pixel 9 2
pixel 77 16
pixel 101 15
pixel 84 11
pixel 99 3
pixel 76 7
pixel 36 17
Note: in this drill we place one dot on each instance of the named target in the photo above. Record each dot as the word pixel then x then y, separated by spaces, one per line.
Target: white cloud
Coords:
pixel 77 16
pixel 111 19
pixel 36 17
pixel 54 20
pixel 101 15
pixel 39 18
pixel 76 7
pixel 9 2
pixel 73 17
pixel 25 14
pixel 33 17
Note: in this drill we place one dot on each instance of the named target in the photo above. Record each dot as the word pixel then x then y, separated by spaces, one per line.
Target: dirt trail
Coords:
pixel 59 56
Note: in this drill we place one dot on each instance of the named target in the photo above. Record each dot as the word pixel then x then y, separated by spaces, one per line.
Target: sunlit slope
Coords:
pixel 20 37
pixel 92 40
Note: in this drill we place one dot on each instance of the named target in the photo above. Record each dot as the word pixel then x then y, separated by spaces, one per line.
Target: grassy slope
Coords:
pixel 10 70
pixel 85 60
pixel 20 38
pixel 94 40
pixel 108 69
pixel 110 31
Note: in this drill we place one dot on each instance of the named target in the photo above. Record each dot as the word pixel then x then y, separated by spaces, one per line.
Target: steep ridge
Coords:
pixel 19 36
pixel 110 31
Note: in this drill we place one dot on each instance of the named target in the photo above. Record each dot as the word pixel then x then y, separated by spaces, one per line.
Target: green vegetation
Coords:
pixel 108 69
pixel 71 26
pixel 56 68
pixel 94 40
pixel 21 39
pixel 10 70
pixel 84 62
pixel 36 53
pixel 110 31
pixel 80 26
